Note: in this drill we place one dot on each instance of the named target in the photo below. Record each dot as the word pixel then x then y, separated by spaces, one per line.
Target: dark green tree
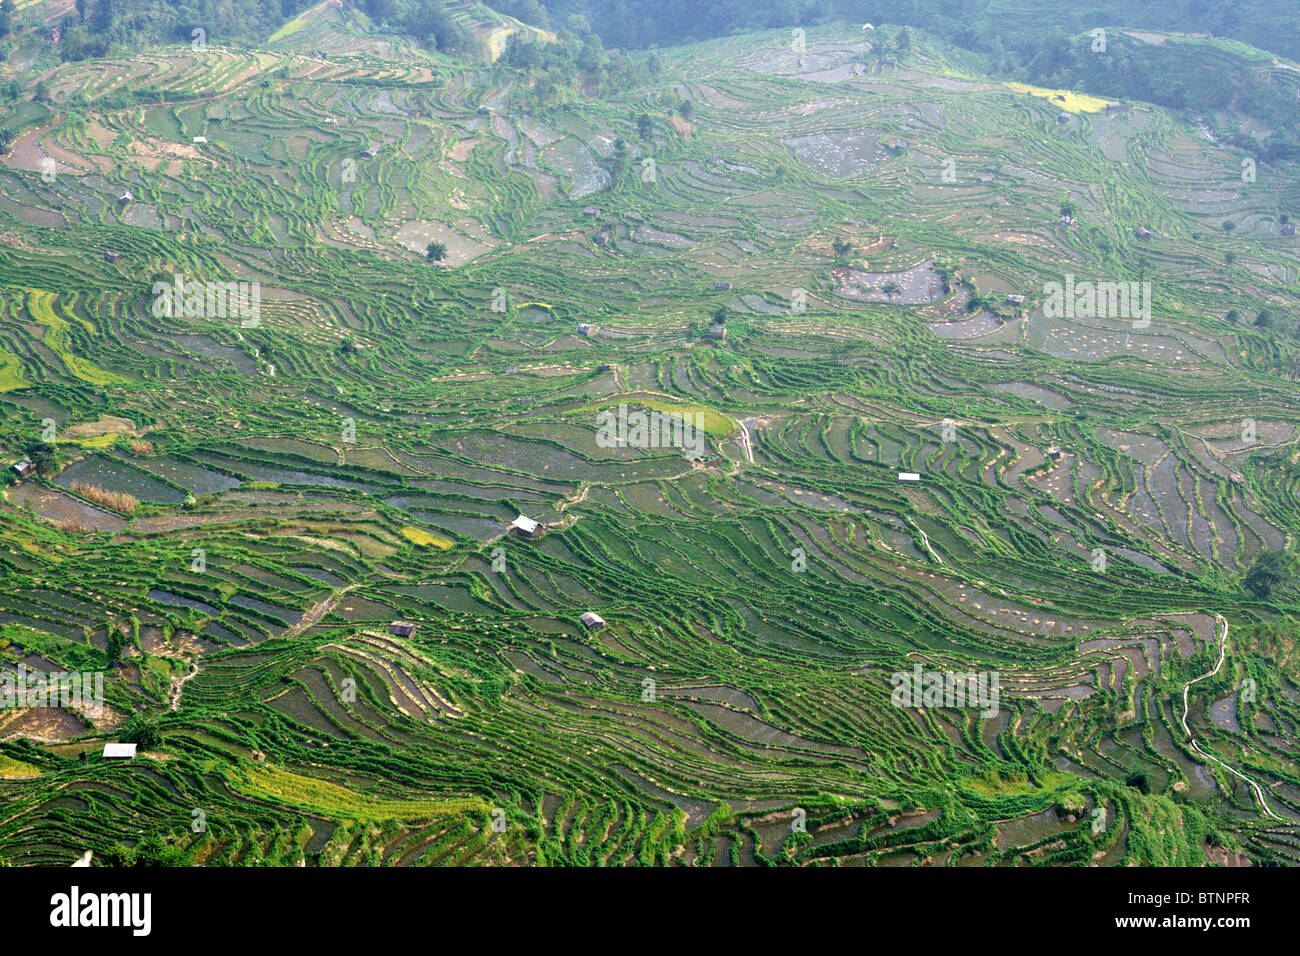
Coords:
pixel 1272 574
pixel 151 851
pixel 42 455
pixel 143 732
pixel 1139 780
pixel 592 56
pixel 116 643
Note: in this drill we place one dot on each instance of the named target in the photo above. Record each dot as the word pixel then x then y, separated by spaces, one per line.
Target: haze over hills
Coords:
pixel 830 361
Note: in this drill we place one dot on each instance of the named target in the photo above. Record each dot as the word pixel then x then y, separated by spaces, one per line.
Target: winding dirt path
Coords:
pixel 179 682
pixel 1223 647
pixel 318 611
pixel 925 540
pixel 748 446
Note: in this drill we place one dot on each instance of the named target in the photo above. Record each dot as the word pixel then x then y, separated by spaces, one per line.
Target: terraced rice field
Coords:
pixel 356 456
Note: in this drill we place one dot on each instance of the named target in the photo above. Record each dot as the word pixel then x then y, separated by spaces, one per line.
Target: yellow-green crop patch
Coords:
pixel 105 440
pixel 9 767
pixel 714 423
pixel 1015 784
pixel 11 372
pixel 1065 99
pixel 330 800
pixel 41 306
pixel 31 547
pixel 424 539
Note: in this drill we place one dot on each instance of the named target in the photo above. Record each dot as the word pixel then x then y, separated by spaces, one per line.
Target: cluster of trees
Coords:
pixel 104 27
pixel 1268 318
pixel 555 68
pixel 426 20
pixel 152 851
pixel 1168 75
pixel 117 643
pixel 10 92
pixel 1053 50
pixel 96 28
pixel 41 454
pixel 1273 576
pixel 637 24
pixel 143 732
pixel 1047 50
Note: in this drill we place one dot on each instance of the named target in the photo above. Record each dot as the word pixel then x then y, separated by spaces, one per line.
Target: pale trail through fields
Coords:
pixel 1223 646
